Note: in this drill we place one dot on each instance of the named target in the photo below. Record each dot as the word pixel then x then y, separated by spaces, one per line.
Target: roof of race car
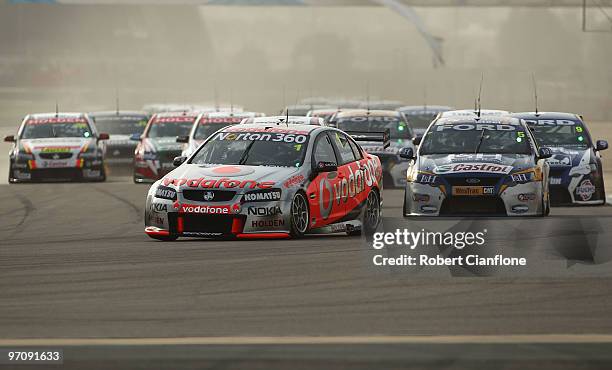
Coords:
pixel 472 112
pixel 115 113
pixel 176 114
pixel 420 109
pixel 459 120
pixel 293 120
pixel 55 115
pixel 546 115
pixel 366 112
pixel 229 114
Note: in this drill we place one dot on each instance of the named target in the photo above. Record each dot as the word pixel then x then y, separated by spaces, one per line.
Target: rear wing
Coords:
pixel 377 136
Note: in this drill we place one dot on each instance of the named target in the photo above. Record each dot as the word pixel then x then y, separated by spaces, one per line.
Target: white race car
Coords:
pixel 477 166
pixel 57 146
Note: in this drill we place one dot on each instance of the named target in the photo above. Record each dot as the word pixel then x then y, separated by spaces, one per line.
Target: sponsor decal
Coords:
pixel 274 130
pixel 227 120
pixel 264 211
pixel 526 197
pixel 473 190
pixel 494 126
pixel 426 179
pixel 358 181
pixel 267 223
pixel 55 120
pixel 560 160
pixel 159 207
pixel 220 183
pixel 585 190
pixel 262 196
pixel 54 164
pixel 550 122
pixel 367 118
pixel 262 136
pixel 555 181
pixel 179 119
pixel 420 197
pixel 473 167
pixel 165 192
pixel 480 157
pixel 294 181
pixel 58 149
pixel 209 210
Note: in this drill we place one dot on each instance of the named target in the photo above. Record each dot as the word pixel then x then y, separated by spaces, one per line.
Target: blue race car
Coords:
pixel 576 173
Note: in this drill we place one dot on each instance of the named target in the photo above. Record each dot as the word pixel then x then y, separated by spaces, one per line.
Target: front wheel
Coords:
pixel 300 215
pixel 371 214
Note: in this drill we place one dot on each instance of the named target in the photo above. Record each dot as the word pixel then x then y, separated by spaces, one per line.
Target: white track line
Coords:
pixel 414 339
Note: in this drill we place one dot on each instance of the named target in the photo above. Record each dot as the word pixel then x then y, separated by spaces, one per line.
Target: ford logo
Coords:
pixel 472 181
pixel 209 195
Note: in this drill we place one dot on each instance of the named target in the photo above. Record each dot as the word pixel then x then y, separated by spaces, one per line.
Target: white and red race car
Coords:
pixel 57 147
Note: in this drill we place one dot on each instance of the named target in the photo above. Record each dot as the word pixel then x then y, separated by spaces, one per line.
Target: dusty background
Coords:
pixel 267 56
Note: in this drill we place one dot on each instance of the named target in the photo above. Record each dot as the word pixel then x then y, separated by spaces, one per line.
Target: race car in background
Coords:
pixel 207 124
pixel 576 172
pixel 401 136
pixel 284 120
pixel 57 147
pixel 262 181
pixel 477 166
pixel 420 116
pixel 157 146
pixel 120 125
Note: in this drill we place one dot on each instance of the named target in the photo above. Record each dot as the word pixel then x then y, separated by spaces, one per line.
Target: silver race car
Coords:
pixel 268 181
pixel 477 166
pixel 57 147
pixel 576 171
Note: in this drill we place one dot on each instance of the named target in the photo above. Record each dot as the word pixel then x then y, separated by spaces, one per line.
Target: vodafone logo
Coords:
pixel 209 210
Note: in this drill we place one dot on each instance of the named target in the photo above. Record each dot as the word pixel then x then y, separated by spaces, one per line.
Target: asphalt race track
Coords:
pixel 75 263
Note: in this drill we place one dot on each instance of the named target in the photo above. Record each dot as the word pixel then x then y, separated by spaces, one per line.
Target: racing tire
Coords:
pixel 10 171
pixel 102 174
pixel 371 213
pixel 545 205
pixel 299 215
